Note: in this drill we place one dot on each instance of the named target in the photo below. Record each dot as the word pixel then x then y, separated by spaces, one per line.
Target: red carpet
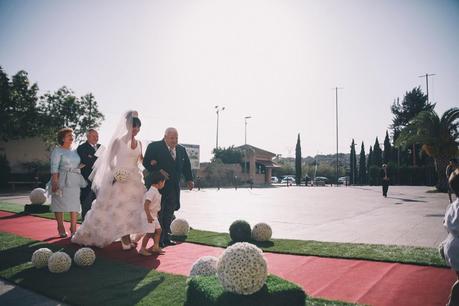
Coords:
pixel 357 281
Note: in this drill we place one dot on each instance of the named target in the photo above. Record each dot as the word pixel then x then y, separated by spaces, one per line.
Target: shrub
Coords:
pixel 240 231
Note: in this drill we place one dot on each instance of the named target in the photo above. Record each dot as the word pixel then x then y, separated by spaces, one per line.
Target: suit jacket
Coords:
pixel 87 156
pixel 159 151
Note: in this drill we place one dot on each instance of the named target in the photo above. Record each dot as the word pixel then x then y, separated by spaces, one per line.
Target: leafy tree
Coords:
pixel 439 138
pixel 387 153
pixel 298 162
pixel 377 154
pixel 63 109
pixel 228 155
pixel 413 103
pixel 353 165
pixel 18 101
pixel 362 166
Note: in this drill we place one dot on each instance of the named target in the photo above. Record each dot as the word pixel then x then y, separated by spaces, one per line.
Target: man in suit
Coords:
pixel 87 151
pixel 385 180
pixel 172 161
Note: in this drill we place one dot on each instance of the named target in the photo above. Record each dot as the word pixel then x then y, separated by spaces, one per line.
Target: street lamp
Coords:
pixel 218 110
pixel 245 119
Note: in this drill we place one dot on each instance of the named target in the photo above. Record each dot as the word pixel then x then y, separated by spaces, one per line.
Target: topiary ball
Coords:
pixel 206 265
pixel 261 232
pixel 38 196
pixel 180 227
pixel 59 262
pixel 242 269
pixel 240 231
pixel 84 257
pixel 40 257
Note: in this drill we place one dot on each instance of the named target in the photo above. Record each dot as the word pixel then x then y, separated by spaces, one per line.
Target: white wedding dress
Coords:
pixel 120 209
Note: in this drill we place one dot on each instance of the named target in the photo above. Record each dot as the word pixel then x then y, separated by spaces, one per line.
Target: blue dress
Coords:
pixel 66 163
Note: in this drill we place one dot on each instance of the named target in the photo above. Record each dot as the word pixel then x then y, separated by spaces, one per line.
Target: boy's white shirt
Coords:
pixel 154 197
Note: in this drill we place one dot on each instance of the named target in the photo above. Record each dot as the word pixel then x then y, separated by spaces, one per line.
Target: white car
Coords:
pixel 288 178
pixel 274 180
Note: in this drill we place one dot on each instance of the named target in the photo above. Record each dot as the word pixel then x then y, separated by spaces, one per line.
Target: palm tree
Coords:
pixel 439 138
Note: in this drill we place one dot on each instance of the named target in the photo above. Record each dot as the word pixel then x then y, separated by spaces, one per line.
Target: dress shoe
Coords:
pixel 125 247
pixel 170 242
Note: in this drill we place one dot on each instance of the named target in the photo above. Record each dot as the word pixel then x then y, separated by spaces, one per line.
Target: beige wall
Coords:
pixel 24 150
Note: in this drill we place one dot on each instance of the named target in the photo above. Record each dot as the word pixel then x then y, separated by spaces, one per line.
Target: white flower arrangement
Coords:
pixel 59 262
pixel 40 257
pixel 180 227
pixel 261 232
pixel 121 175
pixel 84 257
pixel 242 269
pixel 206 265
pixel 38 196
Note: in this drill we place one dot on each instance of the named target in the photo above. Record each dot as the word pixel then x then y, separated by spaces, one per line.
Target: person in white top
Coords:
pixel 450 246
pixel 152 206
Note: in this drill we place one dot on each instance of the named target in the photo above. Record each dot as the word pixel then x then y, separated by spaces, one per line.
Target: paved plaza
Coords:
pixel 410 215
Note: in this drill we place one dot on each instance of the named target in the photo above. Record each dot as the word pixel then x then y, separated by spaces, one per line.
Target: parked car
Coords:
pixel 274 180
pixel 344 180
pixel 288 178
pixel 320 179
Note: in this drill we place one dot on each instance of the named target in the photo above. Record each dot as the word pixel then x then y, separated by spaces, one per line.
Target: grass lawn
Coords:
pixel 107 282
pixel 388 253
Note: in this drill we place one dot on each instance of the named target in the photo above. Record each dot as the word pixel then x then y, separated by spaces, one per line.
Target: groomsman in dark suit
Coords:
pixel 172 160
pixel 87 151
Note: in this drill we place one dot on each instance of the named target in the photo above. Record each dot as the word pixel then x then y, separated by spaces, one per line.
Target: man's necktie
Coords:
pixel 172 153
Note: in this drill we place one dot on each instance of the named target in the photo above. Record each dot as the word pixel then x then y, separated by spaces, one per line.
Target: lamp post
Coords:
pixel 245 119
pixel 336 109
pixel 218 109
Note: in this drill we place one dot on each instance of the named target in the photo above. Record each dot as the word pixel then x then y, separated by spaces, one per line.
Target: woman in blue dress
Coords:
pixel 66 181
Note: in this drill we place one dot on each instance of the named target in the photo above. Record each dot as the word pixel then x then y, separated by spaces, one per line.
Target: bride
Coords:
pixel 117 181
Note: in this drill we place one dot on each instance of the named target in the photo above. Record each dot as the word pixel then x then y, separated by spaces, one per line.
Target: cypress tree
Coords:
pixel 362 166
pixel 298 161
pixel 387 154
pixel 353 162
pixel 370 159
pixel 377 154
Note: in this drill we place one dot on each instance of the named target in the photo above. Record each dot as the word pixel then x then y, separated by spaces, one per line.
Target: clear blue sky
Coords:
pixel 276 61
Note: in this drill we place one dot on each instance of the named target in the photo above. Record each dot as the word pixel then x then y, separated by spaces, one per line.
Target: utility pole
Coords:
pixel 218 110
pixel 427 82
pixel 245 118
pixel 336 109
pixel 427 92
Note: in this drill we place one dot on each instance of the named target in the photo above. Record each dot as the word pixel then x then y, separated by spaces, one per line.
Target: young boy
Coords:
pixel 152 206
pixel 450 246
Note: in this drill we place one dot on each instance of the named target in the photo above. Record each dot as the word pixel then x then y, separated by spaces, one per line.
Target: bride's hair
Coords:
pixel 136 122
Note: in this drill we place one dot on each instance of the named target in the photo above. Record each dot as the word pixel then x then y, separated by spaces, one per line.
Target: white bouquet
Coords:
pixel 121 175
pixel 180 227
pixel 206 265
pixel 242 269
pixel 40 257
pixel 84 257
pixel 261 232
pixel 59 262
